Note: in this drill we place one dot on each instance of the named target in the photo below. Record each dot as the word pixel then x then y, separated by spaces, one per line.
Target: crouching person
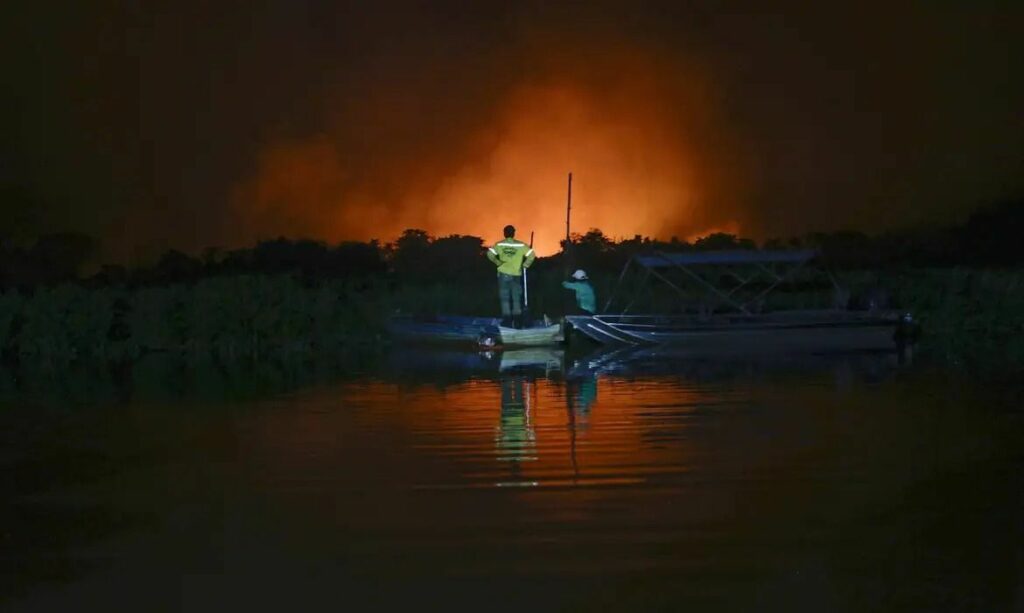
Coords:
pixel 586 300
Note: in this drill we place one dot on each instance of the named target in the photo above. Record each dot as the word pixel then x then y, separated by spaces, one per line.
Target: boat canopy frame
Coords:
pixel 745 266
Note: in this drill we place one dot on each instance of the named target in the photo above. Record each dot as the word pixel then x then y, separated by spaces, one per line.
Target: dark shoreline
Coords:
pixel 965 314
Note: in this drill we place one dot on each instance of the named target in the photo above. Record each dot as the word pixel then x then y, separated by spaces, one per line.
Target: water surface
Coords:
pixel 608 481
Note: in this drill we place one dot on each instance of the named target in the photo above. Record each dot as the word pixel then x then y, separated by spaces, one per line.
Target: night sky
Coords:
pixel 191 124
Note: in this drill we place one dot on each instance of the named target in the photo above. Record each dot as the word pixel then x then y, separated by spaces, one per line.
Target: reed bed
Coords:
pixel 964 313
pixel 226 317
pixel 967 315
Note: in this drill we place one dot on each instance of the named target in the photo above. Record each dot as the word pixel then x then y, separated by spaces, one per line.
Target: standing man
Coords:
pixel 511 256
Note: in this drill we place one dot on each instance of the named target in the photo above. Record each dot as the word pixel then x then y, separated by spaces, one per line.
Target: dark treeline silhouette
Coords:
pixel 306 258
pixel 989 238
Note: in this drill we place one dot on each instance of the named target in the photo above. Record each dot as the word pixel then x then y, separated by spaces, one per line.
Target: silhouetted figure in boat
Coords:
pixel 586 300
pixel 512 257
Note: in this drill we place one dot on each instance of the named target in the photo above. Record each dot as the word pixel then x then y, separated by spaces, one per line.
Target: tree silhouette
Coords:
pixel 410 254
pixel 722 240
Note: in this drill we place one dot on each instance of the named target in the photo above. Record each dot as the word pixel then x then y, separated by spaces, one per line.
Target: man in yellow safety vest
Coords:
pixel 511 256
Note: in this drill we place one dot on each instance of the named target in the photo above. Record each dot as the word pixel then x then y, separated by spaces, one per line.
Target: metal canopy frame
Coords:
pixel 732 256
pixel 761 263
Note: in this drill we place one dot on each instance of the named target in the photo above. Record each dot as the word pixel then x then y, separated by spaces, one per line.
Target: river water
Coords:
pixel 528 480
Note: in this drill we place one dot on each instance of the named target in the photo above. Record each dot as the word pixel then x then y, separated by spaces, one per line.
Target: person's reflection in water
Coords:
pixel 516 440
pixel 580 395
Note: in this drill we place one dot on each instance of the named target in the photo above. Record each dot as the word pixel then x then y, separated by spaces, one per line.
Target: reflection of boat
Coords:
pixel 462 363
pixel 485 331
pixel 604 360
pixel 535 357
pixel 413 360
pixel 725 294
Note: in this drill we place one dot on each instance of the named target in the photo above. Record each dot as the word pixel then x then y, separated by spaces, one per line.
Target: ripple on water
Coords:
pixel 849 481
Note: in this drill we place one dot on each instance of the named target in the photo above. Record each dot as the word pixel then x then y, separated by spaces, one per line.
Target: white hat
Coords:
pixel 579 274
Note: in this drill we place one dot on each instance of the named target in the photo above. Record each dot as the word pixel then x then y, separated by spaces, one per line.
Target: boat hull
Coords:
pixel 485 331
pixel 788 332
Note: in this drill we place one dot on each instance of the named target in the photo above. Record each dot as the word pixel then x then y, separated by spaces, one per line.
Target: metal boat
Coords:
pixel 722 298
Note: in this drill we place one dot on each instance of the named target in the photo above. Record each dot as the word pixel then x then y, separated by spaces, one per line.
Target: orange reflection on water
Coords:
pixel 518 430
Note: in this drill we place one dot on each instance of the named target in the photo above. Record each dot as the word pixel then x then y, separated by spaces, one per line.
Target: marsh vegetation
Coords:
pixel 286 298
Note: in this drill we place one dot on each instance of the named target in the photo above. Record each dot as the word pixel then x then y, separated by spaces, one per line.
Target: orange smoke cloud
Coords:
pixel 629 177
pixel 294 192
pixel 641 146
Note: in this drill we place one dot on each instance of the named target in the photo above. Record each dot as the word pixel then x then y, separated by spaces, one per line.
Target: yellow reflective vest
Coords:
pixel 511 256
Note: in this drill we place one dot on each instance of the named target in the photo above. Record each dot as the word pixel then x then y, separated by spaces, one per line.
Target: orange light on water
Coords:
pixel 515 431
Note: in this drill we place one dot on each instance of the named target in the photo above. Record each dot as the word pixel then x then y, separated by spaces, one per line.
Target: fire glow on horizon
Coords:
pixel 635 151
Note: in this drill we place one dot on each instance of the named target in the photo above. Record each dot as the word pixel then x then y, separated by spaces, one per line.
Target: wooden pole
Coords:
pixel 566 265
pixel 568 211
